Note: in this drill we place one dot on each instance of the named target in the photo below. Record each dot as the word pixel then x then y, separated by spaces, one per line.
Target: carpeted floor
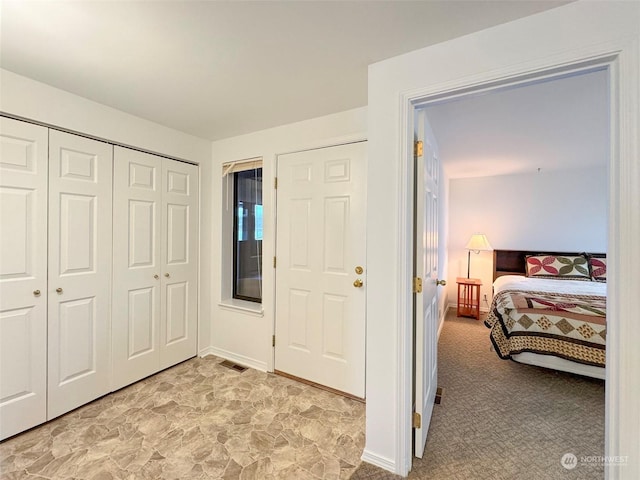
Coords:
pixel 501 420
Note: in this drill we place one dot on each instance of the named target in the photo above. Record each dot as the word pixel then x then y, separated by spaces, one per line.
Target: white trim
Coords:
pixel 624 195
pixel 234 357
pixel 378 461
pixel 444 315
pixel 237 305
pixel 455 305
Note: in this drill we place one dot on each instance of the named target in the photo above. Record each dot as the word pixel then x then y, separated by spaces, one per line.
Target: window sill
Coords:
pixel 243 306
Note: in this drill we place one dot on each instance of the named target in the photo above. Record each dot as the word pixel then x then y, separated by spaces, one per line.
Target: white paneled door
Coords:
pixel 426 175
pixel 23 276
pixel 155 264
pixel 320 274
pixel 179 312
pixel 80 230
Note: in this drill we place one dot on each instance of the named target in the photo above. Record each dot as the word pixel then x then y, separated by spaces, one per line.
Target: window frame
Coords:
pixel 235 244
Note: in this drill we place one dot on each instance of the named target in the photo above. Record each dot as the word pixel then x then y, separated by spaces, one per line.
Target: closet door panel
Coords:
pixel 137 266
pixel 179 317
pixel 80 236
pixel 23 276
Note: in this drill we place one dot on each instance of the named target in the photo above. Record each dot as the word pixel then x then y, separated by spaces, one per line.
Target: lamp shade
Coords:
pixel 478 242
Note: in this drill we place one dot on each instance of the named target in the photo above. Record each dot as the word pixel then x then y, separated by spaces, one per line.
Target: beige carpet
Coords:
pixel 201 421
pixel 501 420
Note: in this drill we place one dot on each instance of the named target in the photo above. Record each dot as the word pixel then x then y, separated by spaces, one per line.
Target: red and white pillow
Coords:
pixel 598 268
pixel 558 266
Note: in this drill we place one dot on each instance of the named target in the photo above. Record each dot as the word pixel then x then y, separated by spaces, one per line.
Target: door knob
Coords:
pixel 358 283
pixel 441 282
pixel 36 293
pixel 59 290
pixel 166 275
pixel 156 276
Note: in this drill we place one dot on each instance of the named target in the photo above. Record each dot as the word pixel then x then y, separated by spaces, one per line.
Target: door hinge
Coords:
pixel 417 285
pixel 273 340
pixel 274 262
pixel 418 148
pixel 417 420
pixel 275 183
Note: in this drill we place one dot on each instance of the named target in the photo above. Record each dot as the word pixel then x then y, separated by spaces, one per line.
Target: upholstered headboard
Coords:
pixel 512 262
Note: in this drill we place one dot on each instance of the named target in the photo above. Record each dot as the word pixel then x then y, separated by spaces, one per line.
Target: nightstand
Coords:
pixel 469 297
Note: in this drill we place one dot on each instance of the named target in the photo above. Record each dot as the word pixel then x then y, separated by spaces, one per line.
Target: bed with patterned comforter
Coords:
pixel 562 318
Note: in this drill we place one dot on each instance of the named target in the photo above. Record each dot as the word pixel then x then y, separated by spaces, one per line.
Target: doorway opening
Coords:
pixel 437 100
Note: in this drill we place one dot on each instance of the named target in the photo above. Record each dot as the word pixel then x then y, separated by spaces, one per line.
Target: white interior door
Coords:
pixel 137 268
pixel 426 175
pixel 23 276
pixel 80 230
pixel 320 312
pixel 179 312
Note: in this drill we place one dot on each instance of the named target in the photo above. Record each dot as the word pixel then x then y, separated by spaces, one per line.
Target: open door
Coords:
pixel 426 281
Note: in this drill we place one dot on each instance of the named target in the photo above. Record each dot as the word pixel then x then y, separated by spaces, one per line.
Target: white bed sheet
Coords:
pixel 550 285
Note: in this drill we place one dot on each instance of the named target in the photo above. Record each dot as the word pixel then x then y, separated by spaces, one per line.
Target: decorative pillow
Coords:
pixel 598 268
pixel 558 266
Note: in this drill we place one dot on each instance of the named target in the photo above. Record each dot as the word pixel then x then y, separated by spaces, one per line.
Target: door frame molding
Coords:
pixel 336 142
pixel 623 65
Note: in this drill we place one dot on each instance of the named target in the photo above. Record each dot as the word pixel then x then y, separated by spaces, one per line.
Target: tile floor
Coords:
pixel 198 420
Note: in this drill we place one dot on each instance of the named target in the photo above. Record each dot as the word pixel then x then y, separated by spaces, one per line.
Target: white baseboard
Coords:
pixel 441 320
pixel 455 306
pixel 234 357
pixel 382 462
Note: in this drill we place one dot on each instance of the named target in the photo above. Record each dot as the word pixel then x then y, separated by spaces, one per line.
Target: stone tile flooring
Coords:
pixel 198 420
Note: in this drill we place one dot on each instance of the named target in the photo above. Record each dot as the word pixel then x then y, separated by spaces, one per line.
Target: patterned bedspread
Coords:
pixel 565 325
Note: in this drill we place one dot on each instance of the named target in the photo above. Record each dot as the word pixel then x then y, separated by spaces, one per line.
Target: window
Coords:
pixel 247 235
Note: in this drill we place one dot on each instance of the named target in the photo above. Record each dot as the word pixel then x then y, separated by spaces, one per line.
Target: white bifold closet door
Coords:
pixel 155 254
pixel 80 230
pixel 23 276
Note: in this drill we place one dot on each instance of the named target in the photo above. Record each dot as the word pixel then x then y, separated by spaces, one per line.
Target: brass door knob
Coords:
pixel 36 293
pixel 156 277
pixel 59 290
pixel 358 283
pixel 441 282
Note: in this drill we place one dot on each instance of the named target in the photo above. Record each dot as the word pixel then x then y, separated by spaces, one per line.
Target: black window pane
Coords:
pixel 247 233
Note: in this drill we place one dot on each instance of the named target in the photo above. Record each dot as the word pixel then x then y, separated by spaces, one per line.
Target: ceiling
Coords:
pixel 561 124
pixel 217 69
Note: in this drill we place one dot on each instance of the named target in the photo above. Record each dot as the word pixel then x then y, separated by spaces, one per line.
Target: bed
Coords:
pixel 549 310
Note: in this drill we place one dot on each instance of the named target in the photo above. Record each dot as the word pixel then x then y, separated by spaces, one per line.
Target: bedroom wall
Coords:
pixel 241 335
pixel 29 99
pixel 548 211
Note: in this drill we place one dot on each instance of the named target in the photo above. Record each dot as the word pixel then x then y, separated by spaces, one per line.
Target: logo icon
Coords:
pixel 569 461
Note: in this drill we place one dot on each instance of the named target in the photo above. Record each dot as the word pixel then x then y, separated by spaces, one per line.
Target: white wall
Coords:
pixel 560 211
pixel 243 336
pixel 551 39
pixel 36 101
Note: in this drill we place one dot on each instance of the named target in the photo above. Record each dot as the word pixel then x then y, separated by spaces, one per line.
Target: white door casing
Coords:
pixel 155 264
pixel 321 222
pixel 427 170
pixel 137 199
pixel 23 276
pixel 80 231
